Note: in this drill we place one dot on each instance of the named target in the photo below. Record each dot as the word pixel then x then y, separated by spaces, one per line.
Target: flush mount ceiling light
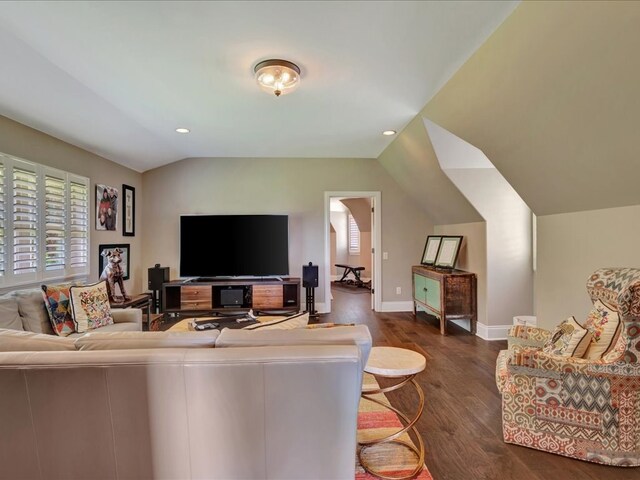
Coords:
pixel 182 130
pixel 389 132
pixel 277 76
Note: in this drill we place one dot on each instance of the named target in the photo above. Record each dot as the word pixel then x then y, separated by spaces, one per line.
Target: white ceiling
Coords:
pixel 117 78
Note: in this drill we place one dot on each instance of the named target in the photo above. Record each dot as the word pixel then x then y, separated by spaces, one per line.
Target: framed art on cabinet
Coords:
pixel 448 251
pixel 431 250
pixel 129 211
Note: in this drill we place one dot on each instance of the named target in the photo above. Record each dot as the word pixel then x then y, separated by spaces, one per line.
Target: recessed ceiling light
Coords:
pixel 182 130
pixel 389 132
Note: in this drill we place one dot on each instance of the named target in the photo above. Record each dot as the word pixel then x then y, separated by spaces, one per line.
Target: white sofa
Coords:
pixel 270 404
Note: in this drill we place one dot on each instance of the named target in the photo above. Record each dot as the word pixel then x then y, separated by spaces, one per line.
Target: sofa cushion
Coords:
pixel 33 311
pixel 58 305
pixel 299 320
pixel 20 341
pixel 9 314
pixel 98 340
pixel 352 335
pixel 569 339
pixel 115 327
pixel 605 326
pixel 90 307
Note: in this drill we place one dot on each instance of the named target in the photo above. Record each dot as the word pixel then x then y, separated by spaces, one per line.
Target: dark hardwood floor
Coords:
pixel 461 423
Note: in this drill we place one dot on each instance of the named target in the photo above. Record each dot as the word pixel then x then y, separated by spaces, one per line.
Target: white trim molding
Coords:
pixel 406 306
pixel 492 332
pixel 321 307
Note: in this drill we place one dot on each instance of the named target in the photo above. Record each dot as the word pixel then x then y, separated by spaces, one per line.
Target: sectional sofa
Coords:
pixel 261 404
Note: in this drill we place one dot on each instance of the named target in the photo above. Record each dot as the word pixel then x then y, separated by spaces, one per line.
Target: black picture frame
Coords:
pixel 430 252
pixel 448 251
pixel 126 257
pixel 128 211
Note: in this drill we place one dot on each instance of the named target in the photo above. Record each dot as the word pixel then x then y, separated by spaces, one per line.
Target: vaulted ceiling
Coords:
pixel 117 78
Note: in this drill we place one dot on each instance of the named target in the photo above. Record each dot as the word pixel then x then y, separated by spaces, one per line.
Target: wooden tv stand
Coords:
pixel 211 295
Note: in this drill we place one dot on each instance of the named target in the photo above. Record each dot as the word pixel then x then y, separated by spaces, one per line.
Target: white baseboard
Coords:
pixel 321 307
pixel 406 306
pixel 462 323
pixel 492 332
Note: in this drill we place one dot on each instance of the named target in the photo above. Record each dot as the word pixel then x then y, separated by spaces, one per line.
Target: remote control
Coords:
pixel 207 326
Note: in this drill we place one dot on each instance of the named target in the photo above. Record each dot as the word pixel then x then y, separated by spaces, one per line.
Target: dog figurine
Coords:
pixel 113 274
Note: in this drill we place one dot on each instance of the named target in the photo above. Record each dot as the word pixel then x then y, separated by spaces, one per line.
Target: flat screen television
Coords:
pixel 234 245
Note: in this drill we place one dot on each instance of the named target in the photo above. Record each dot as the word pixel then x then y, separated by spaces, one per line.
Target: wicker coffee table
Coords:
pixel 402 364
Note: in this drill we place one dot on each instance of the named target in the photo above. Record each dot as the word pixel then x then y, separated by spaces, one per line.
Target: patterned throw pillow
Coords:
pixel 56 299
pixel 90 307
pixel 569 339
pixel 605 326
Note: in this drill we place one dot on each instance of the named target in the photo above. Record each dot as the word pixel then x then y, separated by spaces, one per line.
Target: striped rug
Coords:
pixel 375 421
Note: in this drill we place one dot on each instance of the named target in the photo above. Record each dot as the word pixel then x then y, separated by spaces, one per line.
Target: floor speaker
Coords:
pixel 157 276
pixel 309 276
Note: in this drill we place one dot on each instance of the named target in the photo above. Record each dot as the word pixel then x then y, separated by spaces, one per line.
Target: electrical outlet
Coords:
pixel 385 255
pixel 398 291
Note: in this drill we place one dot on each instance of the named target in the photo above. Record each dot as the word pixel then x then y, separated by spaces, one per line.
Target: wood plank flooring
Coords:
pixel 461 423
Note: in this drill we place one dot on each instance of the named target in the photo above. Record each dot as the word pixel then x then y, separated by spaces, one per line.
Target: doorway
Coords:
pixel 357 207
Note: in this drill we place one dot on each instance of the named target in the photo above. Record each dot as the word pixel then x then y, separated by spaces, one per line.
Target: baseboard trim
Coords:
pixel 321 307
pixel 406 306
pixel 492 332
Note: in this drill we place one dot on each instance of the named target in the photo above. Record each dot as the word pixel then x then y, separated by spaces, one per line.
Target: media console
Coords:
pixel 231 295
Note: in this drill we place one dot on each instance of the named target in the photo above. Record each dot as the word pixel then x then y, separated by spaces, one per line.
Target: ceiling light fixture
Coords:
pixel 182 130
pixel 277 76
pixel 389 132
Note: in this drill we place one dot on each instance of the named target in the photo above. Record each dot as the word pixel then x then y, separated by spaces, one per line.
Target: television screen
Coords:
pixel 234 245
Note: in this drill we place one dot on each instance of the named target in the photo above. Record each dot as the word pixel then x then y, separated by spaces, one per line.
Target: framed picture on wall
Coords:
pixel 431 250
pixel 106 207
pixel 448 251
pixel 129 211
pixel 124 255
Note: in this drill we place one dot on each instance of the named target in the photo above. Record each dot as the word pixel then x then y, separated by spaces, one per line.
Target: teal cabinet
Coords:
pixel 447 294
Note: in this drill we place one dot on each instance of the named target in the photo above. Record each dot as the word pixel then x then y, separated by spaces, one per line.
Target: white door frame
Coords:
pixel 376 244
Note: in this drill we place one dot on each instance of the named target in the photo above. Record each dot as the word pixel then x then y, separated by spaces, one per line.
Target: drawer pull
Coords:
pixel 425 289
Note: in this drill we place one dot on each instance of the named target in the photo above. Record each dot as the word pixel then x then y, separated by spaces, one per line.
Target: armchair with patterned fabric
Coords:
pixel 587 409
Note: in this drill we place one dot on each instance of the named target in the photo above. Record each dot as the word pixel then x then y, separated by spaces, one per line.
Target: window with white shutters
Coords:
pixel 55 217
pixel 44 222
pixel 354 236
pixel 79 225
pixel 25 221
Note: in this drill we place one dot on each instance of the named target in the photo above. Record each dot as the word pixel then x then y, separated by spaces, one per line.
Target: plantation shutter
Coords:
pixel 25 221
pixel 354 236
pixel 79 225
pixel 3 242
pixel 55 216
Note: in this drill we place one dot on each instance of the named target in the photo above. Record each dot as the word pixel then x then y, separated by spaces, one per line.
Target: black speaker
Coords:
pixel 309 276
pixel 157 276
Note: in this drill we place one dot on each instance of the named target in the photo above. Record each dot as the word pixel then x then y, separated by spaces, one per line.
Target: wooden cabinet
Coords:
pixel 448 294
pixel 195 297
pixel 198 296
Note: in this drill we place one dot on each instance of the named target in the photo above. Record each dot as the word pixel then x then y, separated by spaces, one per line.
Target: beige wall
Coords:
pixel 340 237
pixel 291 186
pixel 472 257
pixel 21 141
pixel 570 247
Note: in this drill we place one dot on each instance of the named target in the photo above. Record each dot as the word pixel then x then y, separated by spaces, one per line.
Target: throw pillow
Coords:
pixel 300 320
pixel 56 299
pixel 569 339
pixel 90 307
pixel 605 326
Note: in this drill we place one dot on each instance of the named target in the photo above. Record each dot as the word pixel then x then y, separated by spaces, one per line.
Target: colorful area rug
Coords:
pixel 375 421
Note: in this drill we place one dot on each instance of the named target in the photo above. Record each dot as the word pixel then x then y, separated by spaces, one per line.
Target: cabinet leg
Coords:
pixel 443 325
pixel 414 309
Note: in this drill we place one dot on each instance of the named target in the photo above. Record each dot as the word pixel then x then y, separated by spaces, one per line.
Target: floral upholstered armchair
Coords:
pixel 587 409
